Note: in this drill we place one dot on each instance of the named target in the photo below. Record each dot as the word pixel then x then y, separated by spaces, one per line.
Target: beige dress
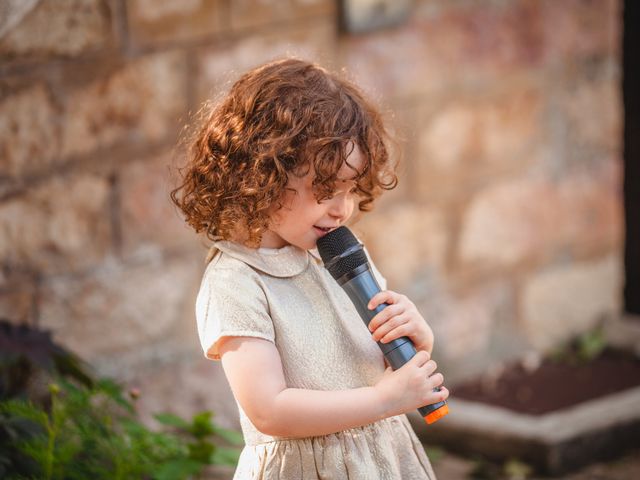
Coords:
pixel 286 296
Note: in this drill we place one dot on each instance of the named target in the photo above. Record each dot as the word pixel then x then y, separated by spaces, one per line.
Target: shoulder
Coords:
pixel 230 277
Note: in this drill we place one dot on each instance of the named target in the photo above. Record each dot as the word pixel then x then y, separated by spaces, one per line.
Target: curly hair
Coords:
pixel 285 117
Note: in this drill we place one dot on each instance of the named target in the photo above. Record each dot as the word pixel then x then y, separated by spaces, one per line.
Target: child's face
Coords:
pixel 298 221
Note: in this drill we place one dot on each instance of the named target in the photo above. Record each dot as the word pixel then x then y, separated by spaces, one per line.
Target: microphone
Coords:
pixel 347 263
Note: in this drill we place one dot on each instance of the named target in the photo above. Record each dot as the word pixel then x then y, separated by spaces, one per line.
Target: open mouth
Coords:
pixel 323 229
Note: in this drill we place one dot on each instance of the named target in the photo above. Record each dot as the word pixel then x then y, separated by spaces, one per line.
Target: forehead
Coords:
pixel 354 164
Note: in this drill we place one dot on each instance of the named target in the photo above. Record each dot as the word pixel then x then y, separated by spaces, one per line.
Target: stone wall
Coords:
pixel 505 229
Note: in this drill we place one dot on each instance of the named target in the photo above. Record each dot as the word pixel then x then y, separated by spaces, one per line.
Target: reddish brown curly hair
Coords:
pixel 282 118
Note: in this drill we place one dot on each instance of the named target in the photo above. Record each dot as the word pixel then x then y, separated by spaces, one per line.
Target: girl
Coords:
pixel 282 160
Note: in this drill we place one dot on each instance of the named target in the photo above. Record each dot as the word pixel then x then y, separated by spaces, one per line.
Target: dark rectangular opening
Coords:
pixel 631 99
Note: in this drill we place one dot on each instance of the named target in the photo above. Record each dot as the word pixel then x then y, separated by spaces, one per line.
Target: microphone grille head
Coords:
pixel 336 242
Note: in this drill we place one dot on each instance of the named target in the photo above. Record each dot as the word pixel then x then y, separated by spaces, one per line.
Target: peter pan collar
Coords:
pixel 279 262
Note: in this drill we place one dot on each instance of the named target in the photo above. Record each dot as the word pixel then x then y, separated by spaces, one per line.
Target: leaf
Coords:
pixel 201 451
pixel 517 470
pixel 177 469
pixel 225 456
pixel 591 344
pixel 434 453
pixel 230 436
pixel 201 424
pixel 25 409
pixel 172 420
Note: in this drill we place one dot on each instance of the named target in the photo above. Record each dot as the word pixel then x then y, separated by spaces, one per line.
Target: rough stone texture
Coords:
pixel 123 316
pixel 575 29
pixel 29 132
pixel 583 212
pixel 413 236
pixel 192 385
pixel 59 27
pixel 468 322
pixel 140 102
pixel 153 22
pixel 150 222
pixel 220 66
pixel 444 44
pixel 17 297
pixel 63 225
pixel 468 136
pixel 592 107
pixel 567 300
pixel 247 14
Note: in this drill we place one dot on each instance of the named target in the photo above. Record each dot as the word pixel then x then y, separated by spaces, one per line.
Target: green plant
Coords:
pixel 93 432
pixel 582 349
pixel 82 427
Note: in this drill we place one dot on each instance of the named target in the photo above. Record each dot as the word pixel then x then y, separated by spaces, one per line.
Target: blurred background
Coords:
pixel 507 228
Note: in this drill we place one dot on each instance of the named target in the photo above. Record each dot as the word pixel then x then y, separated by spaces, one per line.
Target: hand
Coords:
pixel 401 318
pixel 411 386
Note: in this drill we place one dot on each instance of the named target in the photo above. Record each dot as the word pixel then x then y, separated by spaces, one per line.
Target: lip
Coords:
pixel 321 232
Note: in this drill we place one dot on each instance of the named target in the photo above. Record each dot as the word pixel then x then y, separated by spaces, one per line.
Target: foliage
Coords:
pixel 586 347
pixel 87 427
pixel 93 433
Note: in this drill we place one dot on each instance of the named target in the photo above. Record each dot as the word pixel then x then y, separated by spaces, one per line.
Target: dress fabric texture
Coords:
pixel 287 297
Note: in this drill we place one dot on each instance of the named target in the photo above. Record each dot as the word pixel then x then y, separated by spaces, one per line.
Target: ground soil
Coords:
pixel 555 384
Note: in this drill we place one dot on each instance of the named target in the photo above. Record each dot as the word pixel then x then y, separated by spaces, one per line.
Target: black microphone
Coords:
pixel 347 263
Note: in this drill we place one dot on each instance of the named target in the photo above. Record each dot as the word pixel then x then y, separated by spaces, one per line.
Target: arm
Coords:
pixel 254 370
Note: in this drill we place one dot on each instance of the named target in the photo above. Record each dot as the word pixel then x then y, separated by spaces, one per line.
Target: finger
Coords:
pixel 443 394
pixel 421 358
pixel 436 380
pixel 402 330
pixel 429 367
pixel 385 315
pixel 386 296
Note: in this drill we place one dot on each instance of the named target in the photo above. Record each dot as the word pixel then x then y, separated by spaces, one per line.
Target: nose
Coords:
pixel 340 206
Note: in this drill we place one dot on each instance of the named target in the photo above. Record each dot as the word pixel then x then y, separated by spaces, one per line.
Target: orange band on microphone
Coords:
pixel 437 414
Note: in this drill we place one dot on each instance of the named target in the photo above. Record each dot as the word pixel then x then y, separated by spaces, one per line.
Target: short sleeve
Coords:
pixel 231 303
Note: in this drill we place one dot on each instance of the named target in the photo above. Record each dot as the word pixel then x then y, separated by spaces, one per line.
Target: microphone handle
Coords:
pixel 360 285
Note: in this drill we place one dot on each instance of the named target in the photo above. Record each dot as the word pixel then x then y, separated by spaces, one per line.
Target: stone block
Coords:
pixel 142 101
pixel 403 239
pixel 29 132
pixel 509 221
pixel 185 388
pixel 445 45
pixel 590 203
pixel 149 218
pixel 591 105
pixel 219 67
pixel 563 301
pixel 62 225
pixel 17 297
pixel 467 137
pixel 153 22
pixel 56 28
pixel 245 14
pixel 121 317
pixel 529 218
pixel 575 29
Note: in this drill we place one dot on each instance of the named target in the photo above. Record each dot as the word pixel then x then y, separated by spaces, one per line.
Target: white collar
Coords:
pixel 282 262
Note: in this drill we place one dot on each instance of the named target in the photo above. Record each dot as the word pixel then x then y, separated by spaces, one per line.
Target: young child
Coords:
pixel 283 159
